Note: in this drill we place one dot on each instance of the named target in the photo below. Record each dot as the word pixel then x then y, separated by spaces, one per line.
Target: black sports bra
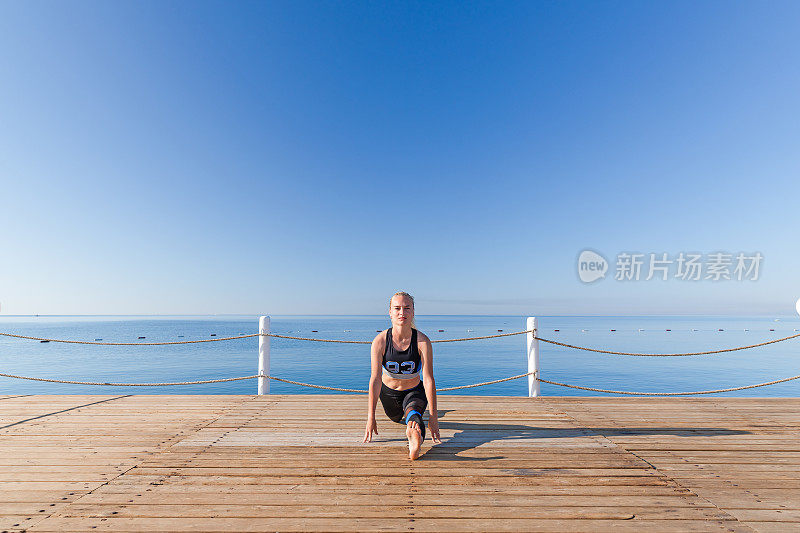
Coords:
pixel 402 364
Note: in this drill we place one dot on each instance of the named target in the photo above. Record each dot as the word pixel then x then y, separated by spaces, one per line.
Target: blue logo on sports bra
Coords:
pixel 406 367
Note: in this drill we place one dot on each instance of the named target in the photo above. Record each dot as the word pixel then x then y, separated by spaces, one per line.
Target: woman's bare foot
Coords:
pixel 414 440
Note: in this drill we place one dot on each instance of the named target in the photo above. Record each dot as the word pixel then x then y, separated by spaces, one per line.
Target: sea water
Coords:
pixel 348 365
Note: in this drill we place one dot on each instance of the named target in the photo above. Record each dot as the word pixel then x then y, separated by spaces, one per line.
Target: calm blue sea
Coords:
pixel 454 363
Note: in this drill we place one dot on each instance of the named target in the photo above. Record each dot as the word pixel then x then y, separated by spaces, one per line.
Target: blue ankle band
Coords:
pixel 413 412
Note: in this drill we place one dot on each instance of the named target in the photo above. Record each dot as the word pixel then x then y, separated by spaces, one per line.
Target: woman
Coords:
pixel 398 356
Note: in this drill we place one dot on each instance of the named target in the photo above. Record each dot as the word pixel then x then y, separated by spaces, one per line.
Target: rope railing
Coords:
pixel 265 375
pixel 275 335
pixel 632 393
pixel 668 354
pixel 362 391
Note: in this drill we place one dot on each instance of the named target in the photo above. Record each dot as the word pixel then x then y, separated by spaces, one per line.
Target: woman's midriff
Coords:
pixel 399 384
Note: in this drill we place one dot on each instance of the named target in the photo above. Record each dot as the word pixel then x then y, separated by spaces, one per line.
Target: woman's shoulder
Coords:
pixel 380 339
pixel 421 337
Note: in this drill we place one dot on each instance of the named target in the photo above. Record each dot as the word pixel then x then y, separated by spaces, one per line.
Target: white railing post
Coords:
pixel 533 357
pixel 263 355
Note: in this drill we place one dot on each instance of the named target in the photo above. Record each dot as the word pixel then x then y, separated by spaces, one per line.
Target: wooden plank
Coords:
pixel 210 501
pixel 771 527
pixel 12 509
pixel 373 524
pixel 121 493
pixel 303 470
pixel 18 522
pixel 394 510
pixel 393 480
pixel 120 490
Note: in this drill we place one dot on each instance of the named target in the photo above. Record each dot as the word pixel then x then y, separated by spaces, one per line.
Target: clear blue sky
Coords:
pixel 315 157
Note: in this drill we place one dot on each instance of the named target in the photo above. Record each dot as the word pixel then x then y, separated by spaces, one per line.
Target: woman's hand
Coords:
pixel 433 425
pixel 372 425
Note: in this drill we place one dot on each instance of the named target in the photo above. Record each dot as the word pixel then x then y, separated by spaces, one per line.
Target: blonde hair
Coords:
pixel 403 293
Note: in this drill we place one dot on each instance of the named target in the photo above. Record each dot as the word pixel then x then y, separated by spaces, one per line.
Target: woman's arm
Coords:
pixel 376 359
pixel 426 352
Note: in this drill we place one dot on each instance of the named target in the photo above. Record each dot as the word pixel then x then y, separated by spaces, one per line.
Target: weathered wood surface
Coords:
pixel 296 463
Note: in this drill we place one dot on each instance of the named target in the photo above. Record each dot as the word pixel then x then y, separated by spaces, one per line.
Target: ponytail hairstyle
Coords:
pixel 402 293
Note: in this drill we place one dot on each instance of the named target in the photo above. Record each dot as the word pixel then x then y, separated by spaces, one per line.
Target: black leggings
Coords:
pixel 396 403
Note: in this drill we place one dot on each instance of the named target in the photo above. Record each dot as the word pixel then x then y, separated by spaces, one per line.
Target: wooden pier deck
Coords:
pixel 296 463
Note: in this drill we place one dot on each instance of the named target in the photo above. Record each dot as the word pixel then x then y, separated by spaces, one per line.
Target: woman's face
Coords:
pixel 401 310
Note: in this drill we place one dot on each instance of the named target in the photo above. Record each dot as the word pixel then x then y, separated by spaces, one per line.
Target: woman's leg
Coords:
pixel 392 404
pixel 407 407
pixel 414 404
